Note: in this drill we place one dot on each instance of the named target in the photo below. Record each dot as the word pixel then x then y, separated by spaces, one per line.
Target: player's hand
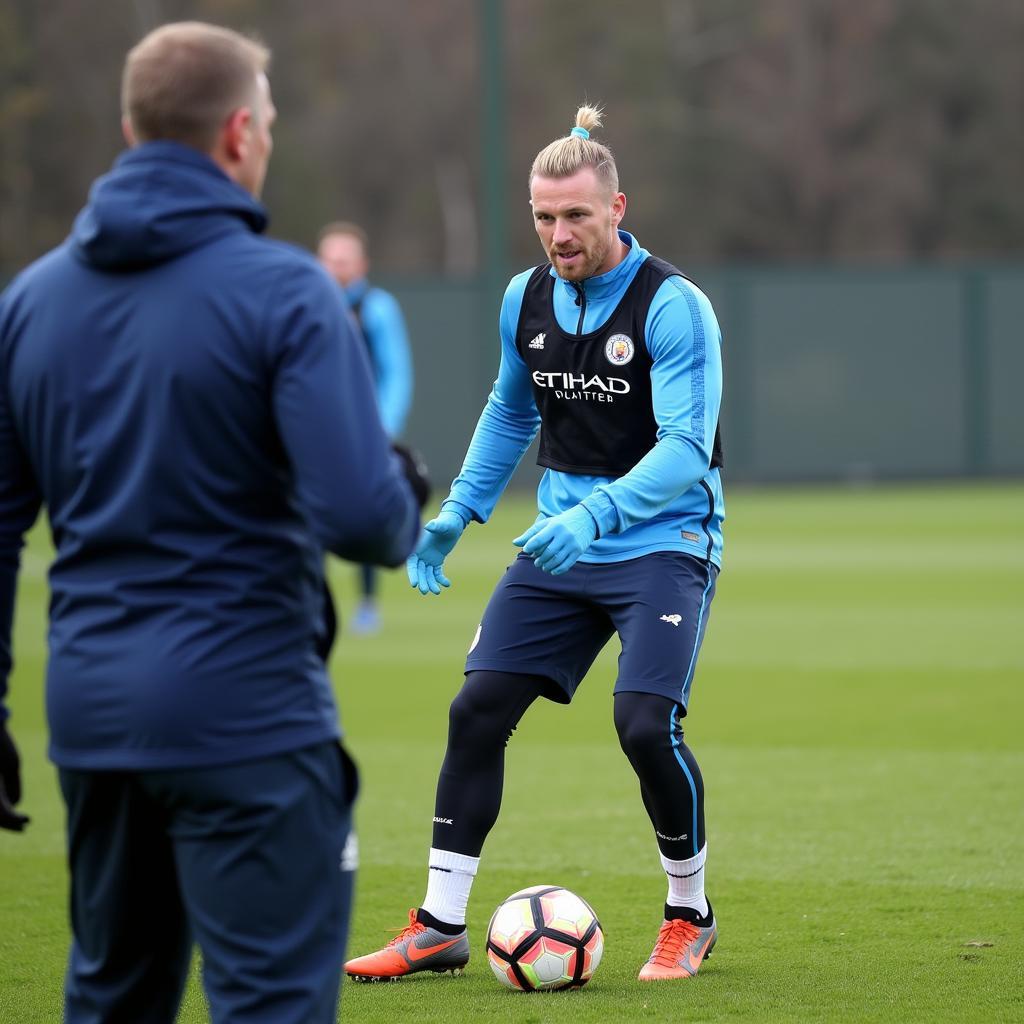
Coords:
pixel 425 565
pixel 555 544
pixel 10 783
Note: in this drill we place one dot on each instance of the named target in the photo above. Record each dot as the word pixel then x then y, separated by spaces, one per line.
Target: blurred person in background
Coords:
pixel 616 357
pixel 195 411
pixel 343 251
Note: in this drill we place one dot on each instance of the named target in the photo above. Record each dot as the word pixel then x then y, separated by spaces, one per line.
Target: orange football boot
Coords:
pixel 415 948
pixel 680 950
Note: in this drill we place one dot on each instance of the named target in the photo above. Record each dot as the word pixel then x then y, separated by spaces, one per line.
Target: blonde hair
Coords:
pixel 183 80
pixel 564 157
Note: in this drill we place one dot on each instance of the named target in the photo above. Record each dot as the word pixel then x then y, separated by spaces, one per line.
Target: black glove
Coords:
pixel 416 472
pixel 10 783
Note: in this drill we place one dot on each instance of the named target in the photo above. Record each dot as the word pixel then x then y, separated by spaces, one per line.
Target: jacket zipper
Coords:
pixel 581 301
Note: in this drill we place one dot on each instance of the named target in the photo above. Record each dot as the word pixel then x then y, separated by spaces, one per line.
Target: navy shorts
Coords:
pixel 555 626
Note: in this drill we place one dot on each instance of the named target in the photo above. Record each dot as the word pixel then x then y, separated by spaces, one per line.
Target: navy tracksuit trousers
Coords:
pixel 244 859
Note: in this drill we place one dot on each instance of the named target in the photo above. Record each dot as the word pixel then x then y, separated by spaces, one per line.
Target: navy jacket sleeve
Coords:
pixel 19 505
pixel 348 482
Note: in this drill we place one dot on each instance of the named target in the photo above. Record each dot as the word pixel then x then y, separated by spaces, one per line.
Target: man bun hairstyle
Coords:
pixel 577 150
pixel 183 80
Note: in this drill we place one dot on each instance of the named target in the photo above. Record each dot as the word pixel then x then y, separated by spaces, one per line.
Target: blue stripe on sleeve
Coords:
pixel 699 352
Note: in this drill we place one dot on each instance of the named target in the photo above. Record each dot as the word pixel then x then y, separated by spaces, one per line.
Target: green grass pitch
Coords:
pixel 857 713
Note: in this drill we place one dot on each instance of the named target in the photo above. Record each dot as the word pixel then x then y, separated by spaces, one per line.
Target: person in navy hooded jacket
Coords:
pixel 169 390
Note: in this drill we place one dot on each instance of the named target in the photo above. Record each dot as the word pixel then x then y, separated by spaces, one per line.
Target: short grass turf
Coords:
pixel 857 715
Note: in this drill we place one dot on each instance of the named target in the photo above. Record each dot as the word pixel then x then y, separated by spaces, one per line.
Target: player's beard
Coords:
pixel 587 265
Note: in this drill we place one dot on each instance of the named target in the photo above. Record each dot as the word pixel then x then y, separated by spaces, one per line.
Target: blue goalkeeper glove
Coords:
pixel 425 565
pixel 555 544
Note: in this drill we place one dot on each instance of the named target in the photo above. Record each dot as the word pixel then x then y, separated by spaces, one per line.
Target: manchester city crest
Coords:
pixel 619 349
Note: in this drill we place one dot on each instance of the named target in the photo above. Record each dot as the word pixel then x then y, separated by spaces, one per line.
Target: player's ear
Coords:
pixel 618 208
pixel 236 132
pixel 128 131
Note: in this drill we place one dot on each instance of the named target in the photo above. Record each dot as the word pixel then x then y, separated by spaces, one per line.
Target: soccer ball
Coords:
pixel 544 938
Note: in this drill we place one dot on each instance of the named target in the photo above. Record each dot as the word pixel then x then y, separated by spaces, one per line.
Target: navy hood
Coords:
pixel 160 200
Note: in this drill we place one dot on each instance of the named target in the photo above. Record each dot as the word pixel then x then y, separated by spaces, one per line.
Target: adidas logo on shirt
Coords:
pixel 538 342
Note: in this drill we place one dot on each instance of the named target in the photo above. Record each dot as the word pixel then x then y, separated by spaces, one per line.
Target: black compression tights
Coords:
pixel 481 721
pixel 651 735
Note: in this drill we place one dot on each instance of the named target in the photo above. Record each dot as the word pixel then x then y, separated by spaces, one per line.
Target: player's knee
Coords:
pixel 642 725
pixel 487 708
pixel 460 716
pixel 636 738
pixel 472 719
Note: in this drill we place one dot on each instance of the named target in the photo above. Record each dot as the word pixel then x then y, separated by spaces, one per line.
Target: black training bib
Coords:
pixel 593 391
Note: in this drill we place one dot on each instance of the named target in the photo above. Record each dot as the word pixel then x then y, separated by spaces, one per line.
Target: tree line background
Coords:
pixel 752 131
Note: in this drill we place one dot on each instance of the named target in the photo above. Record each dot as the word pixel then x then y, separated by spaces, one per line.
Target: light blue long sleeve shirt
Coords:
pixel 670 500
pixel 388 344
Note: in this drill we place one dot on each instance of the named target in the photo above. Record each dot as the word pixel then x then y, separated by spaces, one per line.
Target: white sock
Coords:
pixel 449 879
pixel 686 881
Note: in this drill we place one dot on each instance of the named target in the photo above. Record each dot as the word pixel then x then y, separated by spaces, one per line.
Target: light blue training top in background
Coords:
pixel 388 344
pixel 669 501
